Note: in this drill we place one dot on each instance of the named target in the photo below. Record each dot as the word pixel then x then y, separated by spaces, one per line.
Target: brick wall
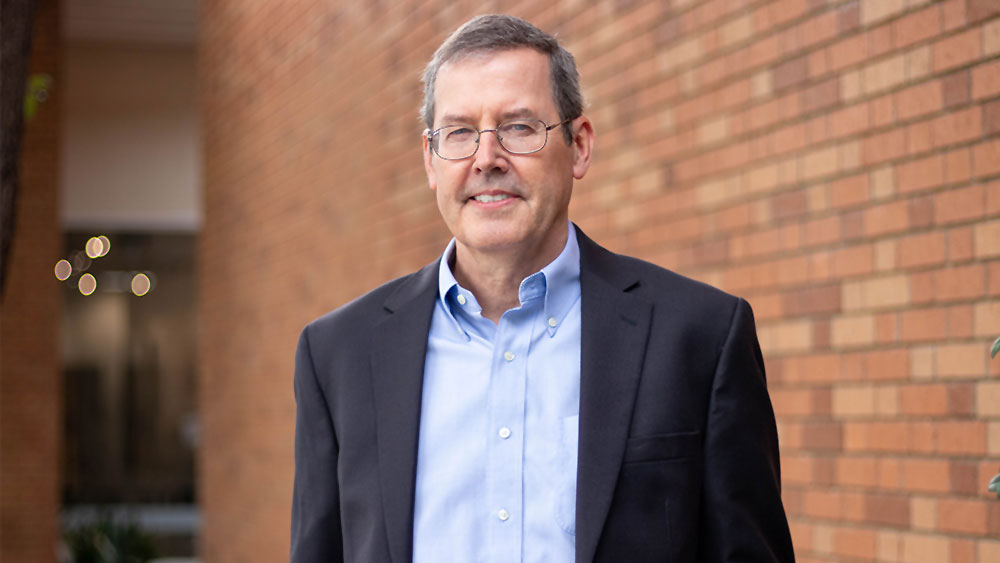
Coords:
pixel 30 399
pixel 836 162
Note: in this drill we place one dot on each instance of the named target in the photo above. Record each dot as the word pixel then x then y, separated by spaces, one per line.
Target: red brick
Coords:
pixel 886 218
pixel 857 471
pixel 922 288
pixel 919 100
pixel 880 40
pixel 790 73
pixel 30 313
pixel 849 191
pixel 957 127
pixel 962 550
pixel 888 510
pixel 962 438
pixel 881 147
pixel 953 14
pixel 923 325
pixel 956 50
pixel 853 261
pixel 789 204
pixel 819 299
pixel 962 516
pixel 919 138
pixel 823 436
pixel 820 96
pixel 978 10
pixel 922 249
pixel 993 198
pixel 964 282
pixel 917 26
pixel 850 120
pixel 886 328
pixel 957 166
pixel 848 52
pixel 887 364
pixel 993 276
pixel 924 400
pixel 986 80
pixel 960 321
pixel 921 174
pixel 956 88
pixel 882 111
pixel 961 400
pixel 991 117
pixel 926 475
pixel 986 158
pixel 960 244
pixel 848 16
pixel 854 543
pixel 960 204
pixel 823 231
pixel 920 211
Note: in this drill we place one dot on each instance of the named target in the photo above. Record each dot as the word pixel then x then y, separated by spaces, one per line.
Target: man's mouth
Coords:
pixel 490 198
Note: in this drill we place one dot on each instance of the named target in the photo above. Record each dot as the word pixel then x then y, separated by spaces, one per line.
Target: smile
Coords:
pixel 490 198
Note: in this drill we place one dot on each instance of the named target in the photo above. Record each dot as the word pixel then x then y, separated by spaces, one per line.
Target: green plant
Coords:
pixel 995 481
pixel 107 541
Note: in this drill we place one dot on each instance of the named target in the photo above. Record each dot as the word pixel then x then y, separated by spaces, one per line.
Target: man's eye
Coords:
pixel 459 134
pixel 518 129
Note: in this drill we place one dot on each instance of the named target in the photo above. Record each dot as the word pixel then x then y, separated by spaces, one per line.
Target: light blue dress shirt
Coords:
pixel 496 460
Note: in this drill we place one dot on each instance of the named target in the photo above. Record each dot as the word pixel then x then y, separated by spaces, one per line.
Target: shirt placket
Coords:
pixel 505 433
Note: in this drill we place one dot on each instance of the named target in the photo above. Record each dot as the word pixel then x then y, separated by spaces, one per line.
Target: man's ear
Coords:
pixel 583 145
pixel 428 162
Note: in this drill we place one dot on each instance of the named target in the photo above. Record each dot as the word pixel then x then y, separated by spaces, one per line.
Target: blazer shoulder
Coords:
pixel 364 312
pixel 662 286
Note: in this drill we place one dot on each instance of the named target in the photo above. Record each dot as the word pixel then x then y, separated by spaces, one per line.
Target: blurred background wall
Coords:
pixel 835 162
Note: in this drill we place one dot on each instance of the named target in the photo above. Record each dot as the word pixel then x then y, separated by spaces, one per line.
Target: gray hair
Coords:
pixel 498 32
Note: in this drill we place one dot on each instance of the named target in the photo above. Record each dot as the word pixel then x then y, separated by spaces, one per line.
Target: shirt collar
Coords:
pixel 559 281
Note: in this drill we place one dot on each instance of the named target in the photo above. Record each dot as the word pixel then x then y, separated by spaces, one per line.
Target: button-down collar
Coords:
pixel 558 282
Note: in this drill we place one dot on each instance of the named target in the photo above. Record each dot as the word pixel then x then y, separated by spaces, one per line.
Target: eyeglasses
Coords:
pixel 517 136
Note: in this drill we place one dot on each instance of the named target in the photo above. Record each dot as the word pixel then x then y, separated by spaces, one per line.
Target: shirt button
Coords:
pixel 503 515
pixel 553 322
pixel 461 299
pixel 504 432
pixel 509 356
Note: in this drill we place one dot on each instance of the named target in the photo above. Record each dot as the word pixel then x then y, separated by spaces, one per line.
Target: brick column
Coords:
pixel 30 403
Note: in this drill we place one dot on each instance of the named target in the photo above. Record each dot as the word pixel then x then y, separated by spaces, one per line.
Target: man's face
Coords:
pixel 494 201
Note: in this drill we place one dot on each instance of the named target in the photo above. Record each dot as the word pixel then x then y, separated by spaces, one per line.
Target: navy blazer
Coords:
pixel 678 452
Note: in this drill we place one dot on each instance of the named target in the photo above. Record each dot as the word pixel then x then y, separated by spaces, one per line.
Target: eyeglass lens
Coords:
pixel 517 137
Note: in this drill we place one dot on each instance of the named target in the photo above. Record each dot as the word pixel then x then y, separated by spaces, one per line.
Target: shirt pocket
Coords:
pixel 567 458
pixel 660 447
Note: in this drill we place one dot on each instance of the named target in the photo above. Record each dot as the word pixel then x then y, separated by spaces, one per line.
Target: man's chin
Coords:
pixel 498 240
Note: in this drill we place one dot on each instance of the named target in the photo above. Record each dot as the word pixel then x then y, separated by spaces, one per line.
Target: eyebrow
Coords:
pixel 454 118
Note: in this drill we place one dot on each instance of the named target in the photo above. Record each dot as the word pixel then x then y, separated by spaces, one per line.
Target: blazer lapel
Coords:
pixel 612 347
pixel 397 378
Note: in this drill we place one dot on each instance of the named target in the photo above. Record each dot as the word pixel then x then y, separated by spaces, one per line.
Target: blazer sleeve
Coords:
pixel 316 526
pixel 743 517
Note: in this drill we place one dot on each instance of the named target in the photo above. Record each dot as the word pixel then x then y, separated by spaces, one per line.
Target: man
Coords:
pixel 530 396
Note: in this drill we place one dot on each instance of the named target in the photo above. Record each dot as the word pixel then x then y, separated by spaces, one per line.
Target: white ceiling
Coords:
pixel 135 22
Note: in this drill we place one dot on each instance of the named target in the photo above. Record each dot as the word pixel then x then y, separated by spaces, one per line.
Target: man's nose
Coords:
pixel 490 155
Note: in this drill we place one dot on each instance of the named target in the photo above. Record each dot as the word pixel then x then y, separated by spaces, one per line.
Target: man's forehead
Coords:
pixel 482 56
pixel 515 79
